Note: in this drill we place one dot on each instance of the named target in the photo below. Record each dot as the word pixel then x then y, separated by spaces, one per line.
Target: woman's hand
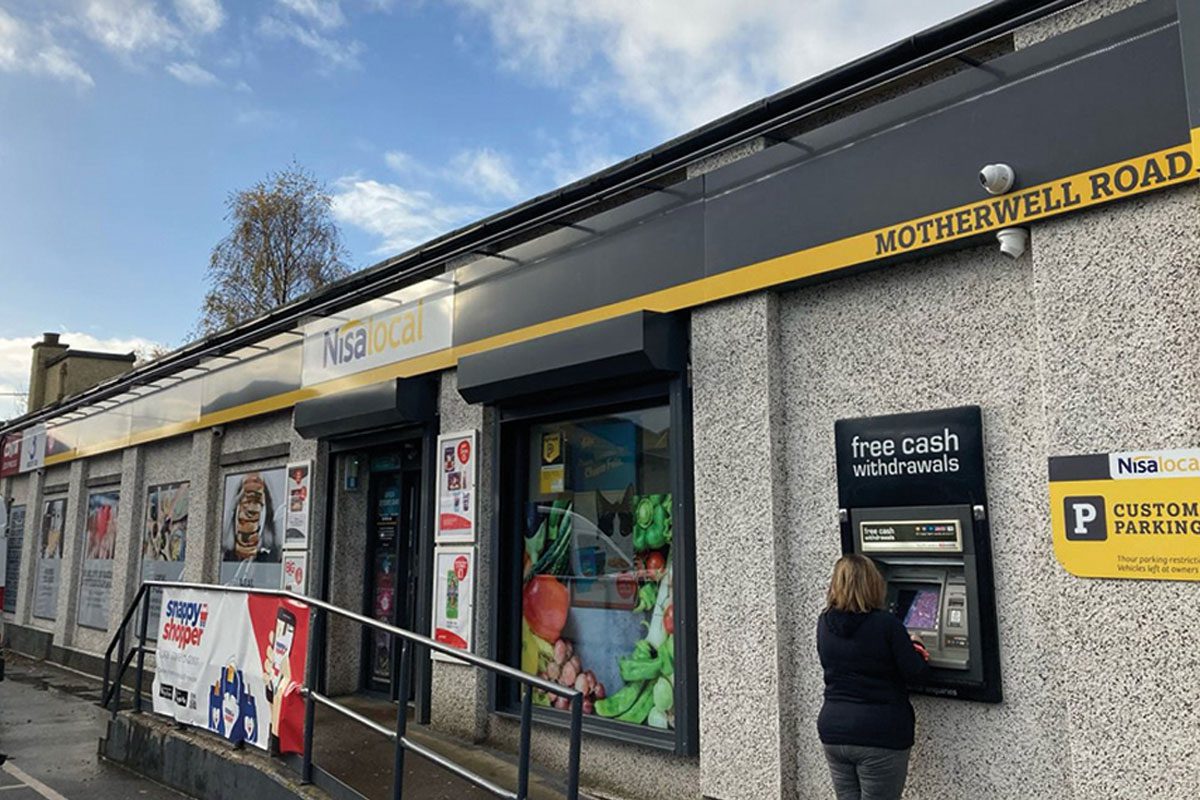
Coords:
pixel 919 646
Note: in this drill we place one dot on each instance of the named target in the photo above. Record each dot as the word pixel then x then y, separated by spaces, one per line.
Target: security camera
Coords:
pixel 997 178
pixel 1013 242
pixel 218 430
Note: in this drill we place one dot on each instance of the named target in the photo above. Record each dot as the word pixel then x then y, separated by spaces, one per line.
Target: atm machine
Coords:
pixel 928 533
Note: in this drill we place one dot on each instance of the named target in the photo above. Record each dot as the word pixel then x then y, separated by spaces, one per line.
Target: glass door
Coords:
pixel 393 544
pixel 383 571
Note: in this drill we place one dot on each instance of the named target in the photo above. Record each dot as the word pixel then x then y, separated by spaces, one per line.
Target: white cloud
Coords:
pixel 684 62
pixel 487 172
pixel 326 14
pixel 334 53
pixel 201 16
pixel 126 27
pixel 402 218
pixel 399 161
pixel 33 51
pixel 192 74
pixel 16 352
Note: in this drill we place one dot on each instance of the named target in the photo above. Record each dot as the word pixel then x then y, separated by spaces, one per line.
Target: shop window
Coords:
pixel 593 539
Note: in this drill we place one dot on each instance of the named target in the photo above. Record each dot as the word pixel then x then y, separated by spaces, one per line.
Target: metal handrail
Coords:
pixel 318 611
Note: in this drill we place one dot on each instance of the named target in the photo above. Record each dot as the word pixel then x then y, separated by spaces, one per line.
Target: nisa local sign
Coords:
pixel 412 322
pixel 1163 464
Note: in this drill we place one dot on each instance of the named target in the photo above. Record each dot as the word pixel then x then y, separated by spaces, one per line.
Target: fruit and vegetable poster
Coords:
pixel 457 481
pixel 164 537
pixel 454 598
pixel 253 521
pixel 50 550
pixel 600 618
pixel 299 494
pixel 99 546
pixel 233 664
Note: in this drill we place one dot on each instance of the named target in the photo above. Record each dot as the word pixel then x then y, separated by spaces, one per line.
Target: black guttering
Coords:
pixel 760 118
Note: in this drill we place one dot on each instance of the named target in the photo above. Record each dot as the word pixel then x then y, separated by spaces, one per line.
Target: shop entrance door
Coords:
pixel 392 558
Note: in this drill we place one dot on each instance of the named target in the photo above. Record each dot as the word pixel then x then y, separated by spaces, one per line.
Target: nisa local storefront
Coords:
pixel 922 307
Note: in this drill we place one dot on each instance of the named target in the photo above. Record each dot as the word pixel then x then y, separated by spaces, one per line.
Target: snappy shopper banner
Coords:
pixel 234 665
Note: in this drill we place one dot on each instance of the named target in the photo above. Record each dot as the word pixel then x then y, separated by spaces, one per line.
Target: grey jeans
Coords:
pixel 867 773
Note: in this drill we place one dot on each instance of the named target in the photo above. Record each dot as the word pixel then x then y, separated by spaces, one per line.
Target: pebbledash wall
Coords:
pixel 1089 343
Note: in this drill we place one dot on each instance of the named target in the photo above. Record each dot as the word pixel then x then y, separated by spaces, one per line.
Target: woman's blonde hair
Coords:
pixel 857 585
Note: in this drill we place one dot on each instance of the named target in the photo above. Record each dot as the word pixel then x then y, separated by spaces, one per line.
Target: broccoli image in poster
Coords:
pixel 232 712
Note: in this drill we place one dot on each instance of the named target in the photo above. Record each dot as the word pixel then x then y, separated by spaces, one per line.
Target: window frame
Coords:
pixel 509 495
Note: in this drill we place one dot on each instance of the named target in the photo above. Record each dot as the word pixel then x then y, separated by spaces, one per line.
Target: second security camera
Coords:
pixel 997 178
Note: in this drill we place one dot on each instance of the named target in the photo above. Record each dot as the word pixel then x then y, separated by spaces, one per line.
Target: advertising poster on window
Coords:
pixel 454 598
pixel 12 559
pixel 234 665
pixel 597 585
pixel 253 521
pixel 99 546
pixel 49 560
pixel 295 571
pixel 164 537
pixel 457 481
pixel 299 479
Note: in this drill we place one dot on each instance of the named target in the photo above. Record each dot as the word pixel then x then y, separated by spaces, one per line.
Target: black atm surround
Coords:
pixel 960 495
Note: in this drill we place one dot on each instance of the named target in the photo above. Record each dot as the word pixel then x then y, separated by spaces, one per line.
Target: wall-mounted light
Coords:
pixel 353 467
pixel 1013 242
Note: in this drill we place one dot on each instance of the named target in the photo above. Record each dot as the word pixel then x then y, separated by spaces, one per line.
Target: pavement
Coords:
pixel 49 729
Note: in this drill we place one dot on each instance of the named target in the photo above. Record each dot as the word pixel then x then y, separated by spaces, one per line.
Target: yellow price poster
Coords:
pixel 1127 515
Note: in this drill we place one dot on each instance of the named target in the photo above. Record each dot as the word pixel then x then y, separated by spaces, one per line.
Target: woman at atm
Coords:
pixel 866 722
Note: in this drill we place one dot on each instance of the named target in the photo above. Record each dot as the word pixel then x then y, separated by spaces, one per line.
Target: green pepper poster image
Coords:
pixel 597 584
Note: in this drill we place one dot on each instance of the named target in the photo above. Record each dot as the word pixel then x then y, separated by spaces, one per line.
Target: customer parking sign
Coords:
pixel 1127 515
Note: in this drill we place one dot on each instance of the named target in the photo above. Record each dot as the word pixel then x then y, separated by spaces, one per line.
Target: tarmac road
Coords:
pixel 49 728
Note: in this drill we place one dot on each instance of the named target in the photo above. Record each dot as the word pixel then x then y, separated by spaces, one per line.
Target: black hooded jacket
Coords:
pixel 868 661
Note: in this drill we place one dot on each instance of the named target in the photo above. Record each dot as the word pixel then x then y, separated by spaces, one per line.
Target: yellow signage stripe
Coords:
pixel 1110 183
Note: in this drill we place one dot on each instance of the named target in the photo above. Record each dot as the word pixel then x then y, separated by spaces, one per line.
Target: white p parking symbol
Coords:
pixel 1085 519
pixel 1084 513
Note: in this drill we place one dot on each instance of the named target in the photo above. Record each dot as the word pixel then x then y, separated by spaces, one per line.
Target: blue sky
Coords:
pixel 124 124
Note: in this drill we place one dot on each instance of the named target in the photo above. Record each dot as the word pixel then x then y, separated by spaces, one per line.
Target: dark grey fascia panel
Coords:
pixel 638 344
pixel 1051 118
pixel 655 243
pixel 403 401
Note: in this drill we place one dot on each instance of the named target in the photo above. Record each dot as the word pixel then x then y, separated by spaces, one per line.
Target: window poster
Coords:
pixel 457 482
pixel 454 598
pixel 295 571
pixel 299 498
pixel 253 522
pixel 164 538
pixel 49 559
pixel 597 583
pixel 99 546
pixel 12 559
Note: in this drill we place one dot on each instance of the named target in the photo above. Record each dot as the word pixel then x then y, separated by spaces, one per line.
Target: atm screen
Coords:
pixel 918 606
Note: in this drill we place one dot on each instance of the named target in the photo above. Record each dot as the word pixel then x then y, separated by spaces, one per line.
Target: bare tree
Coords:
pixel 284 244
pixel 151 351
